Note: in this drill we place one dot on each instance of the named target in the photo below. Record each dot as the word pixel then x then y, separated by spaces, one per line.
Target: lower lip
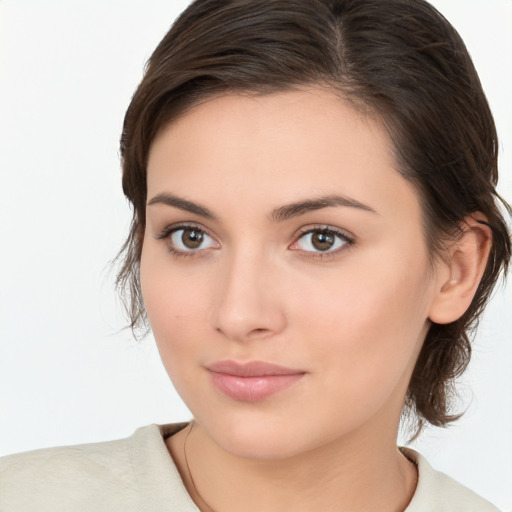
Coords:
pixel 253 389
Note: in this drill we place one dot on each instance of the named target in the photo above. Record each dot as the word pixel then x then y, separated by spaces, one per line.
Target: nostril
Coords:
pixel 258 333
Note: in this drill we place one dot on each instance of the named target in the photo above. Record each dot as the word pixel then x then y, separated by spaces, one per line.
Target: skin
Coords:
pixel 352 320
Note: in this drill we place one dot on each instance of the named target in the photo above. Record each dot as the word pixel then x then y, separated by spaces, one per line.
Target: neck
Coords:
pixel 356 474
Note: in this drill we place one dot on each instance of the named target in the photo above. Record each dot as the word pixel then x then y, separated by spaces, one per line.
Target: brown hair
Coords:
pixel 398 59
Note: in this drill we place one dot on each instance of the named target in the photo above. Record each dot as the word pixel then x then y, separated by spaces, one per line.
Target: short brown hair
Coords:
pixel 400 60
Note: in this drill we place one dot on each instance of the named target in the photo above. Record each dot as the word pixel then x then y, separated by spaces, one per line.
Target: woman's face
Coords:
pixel 279 233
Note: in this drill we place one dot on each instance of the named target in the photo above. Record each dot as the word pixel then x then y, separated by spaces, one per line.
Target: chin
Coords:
pixel 263 446
pixel 259 437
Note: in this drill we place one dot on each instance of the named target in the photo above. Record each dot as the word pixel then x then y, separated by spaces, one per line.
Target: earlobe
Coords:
pixel 462 270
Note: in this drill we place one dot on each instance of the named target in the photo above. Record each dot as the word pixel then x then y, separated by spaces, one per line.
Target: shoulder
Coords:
pixel 437 491
pixel 112 475
pixel 58 477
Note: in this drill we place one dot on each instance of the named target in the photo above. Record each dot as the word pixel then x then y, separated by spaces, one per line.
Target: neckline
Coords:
pixel 160 483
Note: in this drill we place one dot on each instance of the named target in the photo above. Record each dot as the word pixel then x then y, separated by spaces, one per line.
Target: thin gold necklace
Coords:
pixel 204 505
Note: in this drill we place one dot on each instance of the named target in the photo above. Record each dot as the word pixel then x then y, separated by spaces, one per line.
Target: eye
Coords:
pixel 321 240
pixel 187 239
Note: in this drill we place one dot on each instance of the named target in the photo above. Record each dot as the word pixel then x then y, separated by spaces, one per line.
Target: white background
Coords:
pixel 68 373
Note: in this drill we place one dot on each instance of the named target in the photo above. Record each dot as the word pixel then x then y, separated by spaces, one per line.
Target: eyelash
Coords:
pixel 168 231
pixel 342 235
pixel 349 241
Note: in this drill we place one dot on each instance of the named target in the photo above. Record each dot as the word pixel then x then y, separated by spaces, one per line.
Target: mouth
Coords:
pixel 252 381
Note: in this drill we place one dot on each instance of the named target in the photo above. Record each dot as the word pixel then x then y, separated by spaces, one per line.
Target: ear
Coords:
pixel 460 271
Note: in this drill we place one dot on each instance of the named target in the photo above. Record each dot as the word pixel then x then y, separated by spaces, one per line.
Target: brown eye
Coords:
pixel 189 239
pixel 192 238
pixel 322 240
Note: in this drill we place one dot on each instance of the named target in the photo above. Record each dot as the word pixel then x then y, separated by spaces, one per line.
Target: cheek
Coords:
pixel 177 315
pixel 176 304
pixel 365 296
pixel 368 327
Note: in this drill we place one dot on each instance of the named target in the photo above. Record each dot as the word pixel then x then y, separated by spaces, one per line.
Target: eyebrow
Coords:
pixel 301 207
pixel 182 204
pixel 278 215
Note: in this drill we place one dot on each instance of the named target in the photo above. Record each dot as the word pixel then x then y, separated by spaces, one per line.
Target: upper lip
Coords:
pixel 251 369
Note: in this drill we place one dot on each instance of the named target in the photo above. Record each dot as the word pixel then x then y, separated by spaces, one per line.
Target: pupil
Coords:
pixel 192 238
pixel 322 241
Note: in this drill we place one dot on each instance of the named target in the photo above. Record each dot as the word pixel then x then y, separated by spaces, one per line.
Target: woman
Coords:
pixel 315 232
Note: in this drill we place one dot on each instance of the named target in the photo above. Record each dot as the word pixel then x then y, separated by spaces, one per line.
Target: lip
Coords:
pixel 252 381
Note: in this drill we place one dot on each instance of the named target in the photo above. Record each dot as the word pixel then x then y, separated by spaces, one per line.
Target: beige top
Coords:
pixel 137 474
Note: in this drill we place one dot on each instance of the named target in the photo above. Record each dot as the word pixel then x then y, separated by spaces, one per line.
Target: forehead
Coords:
pixel 272 147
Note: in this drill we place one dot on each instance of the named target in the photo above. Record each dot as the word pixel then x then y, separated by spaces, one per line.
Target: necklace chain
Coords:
pixel 204 505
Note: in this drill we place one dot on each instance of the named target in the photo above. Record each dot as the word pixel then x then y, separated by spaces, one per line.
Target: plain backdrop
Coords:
pixel 68 372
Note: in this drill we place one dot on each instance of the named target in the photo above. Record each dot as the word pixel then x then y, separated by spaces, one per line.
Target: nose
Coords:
pixel 248 305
